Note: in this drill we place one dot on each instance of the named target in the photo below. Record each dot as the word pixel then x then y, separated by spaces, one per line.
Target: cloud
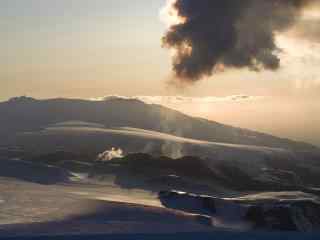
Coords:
pixel 168 100
pixel 210 36
pixel 182 99
pixel 307 29
pixel 301 59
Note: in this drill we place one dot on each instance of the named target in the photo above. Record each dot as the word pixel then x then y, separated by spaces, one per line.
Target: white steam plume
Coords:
pixel 110 154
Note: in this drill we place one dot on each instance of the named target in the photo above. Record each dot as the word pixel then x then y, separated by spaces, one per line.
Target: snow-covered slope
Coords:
pixel 141 140
pixel 74 208
pixel 251 165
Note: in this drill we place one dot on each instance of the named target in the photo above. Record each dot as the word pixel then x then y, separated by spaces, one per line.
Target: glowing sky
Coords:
pixel 85 49
pixel 81 48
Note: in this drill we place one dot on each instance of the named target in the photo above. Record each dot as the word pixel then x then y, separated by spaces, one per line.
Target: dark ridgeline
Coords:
pixel 21 115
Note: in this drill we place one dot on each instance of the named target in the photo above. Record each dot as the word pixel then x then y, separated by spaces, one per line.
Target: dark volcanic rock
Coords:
pixel 275 218
pixel 32 172
pixel 278 215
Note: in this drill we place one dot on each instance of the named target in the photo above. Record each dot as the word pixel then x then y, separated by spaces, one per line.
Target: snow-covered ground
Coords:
pixel 76 204
pixel 85 206
pixel 29 208
pixel 98 211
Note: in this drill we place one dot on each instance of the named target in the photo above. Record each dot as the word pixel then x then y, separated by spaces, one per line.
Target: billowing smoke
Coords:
pixel 110 154
pixel 213 35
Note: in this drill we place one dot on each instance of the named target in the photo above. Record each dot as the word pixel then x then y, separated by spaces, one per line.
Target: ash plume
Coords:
pixel 213 35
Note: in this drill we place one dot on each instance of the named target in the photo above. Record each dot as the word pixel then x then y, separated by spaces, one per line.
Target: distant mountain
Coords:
pixel 23 114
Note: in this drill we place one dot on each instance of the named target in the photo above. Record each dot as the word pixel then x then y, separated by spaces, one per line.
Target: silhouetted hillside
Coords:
pixel 26 114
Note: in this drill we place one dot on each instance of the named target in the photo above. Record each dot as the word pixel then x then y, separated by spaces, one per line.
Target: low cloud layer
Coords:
pixel 165 100
pixel 208 36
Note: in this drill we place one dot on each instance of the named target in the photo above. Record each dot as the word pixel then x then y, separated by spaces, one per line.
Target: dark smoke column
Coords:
pixel 214 34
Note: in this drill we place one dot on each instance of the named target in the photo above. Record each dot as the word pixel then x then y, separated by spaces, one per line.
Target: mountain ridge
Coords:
pixel 23 114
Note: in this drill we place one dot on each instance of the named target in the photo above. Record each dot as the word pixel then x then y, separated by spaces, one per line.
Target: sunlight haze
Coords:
pixel 91 49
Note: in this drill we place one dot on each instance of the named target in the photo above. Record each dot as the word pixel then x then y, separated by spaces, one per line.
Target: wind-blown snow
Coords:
pixel 163 136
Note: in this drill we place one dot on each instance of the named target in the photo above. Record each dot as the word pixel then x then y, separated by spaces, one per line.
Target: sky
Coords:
pixel 90 49
pixel 81 48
